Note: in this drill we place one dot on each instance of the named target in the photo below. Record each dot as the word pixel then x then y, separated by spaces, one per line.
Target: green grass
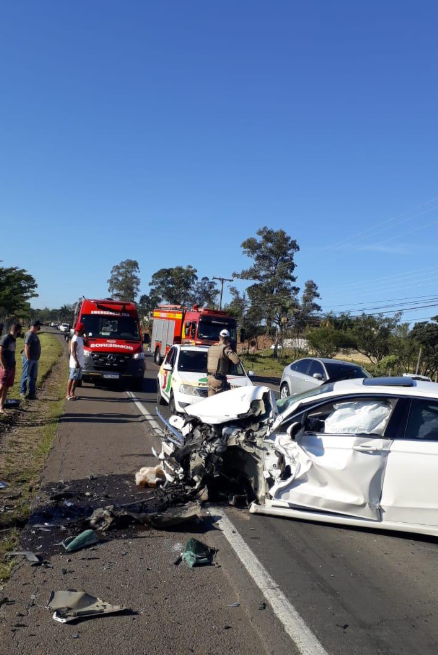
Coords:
pixel 265 365
pixel 29 441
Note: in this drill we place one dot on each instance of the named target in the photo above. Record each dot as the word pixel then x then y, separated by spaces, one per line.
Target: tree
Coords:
pixel 204 293
pixel 124 282
pixel 372 335
pixel 426 336
pixel 66 313
pixel 148 302
pixel 303 315
pixel 17 287
pixel 174 285
pixel 272 273
pixel 327 342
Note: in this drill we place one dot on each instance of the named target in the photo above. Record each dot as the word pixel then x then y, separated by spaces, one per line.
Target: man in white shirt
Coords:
pixel 76 362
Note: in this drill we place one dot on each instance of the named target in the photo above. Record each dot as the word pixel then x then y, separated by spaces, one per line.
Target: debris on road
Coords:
pixel 83 540
pixel 34 560
pixel 196 553
pixel 3 485
pixel 149 476
pixel 234 605
pixel 71 605
pixel 173 516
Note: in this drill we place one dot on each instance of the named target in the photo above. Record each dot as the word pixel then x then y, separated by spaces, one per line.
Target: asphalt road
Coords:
pixel 359 591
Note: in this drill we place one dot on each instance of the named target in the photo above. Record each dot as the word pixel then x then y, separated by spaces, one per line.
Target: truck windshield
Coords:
pixel 111 327
pixel 209 329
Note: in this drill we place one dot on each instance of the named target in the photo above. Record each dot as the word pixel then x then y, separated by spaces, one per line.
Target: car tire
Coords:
pixel 172 408
pixel 160 399
pixel 79 383
pixel 284 390
pixel 137 384
pixel 157 357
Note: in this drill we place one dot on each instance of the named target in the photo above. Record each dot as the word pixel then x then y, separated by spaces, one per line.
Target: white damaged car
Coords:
pixel 361 452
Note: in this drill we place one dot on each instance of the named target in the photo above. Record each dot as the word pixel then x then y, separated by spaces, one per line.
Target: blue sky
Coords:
pixel 169 132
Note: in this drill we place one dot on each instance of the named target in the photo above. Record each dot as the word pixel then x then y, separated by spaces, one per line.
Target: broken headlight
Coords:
pixel 191 391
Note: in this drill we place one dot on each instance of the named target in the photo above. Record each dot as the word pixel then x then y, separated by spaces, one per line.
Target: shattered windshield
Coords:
pixel 283 404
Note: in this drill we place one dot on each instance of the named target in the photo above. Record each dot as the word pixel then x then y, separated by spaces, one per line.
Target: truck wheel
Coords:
pixel 157 357
pixel 160 399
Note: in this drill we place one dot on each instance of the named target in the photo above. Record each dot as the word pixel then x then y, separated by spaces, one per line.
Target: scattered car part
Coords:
pixel 149 476
pixel 71 605
pixel 196 553
pixel 83 540
pixel 34 560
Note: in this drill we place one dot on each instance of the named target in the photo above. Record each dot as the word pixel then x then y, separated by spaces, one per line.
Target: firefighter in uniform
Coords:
pixel 220 358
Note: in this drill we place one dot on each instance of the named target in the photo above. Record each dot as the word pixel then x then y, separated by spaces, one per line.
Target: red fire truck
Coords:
pixel 176 324
pixel 113 347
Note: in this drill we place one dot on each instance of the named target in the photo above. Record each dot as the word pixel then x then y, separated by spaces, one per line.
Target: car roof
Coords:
pixel 182 346
pixel 326 360
pixel 389 386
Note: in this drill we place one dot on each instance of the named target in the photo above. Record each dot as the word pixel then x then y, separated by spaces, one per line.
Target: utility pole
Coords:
pixel 222 280
pixel 417 368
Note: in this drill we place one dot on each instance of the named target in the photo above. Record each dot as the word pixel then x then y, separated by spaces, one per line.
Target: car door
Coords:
pixel 410 490
pixel 337 462
pixel 299 381
pixel 165 373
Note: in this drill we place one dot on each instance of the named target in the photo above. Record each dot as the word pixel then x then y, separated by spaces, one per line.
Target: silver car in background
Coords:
pixel 306 374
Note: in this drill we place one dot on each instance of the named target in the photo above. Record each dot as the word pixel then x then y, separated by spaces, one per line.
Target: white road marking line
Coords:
pixel 151 421
pixel 293 623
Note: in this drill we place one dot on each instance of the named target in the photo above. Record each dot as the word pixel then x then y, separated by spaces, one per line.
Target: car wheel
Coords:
pixel 137 384
pixel 157 357
pixel 160 399
pixel 284 391
pixel 172 408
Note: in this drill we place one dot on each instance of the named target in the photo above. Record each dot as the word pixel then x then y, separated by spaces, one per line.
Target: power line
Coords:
pixel 397 236
pixel 416 271
pixel 377 227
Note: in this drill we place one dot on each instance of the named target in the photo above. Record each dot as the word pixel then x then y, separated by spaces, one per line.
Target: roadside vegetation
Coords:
pixel 26 438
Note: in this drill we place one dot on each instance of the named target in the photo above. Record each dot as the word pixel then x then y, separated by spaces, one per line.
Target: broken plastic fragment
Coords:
pixel 72 605
pixel 149 476
pixel 30 556
pixel 86 538
pixel 3 485
pixel 197 553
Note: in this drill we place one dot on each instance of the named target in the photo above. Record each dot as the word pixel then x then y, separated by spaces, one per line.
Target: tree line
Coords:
pixel 272 304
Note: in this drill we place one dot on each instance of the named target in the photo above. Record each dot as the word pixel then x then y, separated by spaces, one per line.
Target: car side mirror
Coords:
pixel 251 374
pixel 242 335
pixel 167 367
pixel 318 376
pixel 293 429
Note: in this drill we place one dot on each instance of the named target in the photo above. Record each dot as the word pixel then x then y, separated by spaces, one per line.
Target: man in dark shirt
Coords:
pixel 7 362
pixel 30 357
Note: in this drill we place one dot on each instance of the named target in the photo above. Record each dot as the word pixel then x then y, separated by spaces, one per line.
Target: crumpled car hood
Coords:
pixel 233 405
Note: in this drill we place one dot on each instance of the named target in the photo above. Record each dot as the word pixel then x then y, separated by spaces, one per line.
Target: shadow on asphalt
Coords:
pixel 100 418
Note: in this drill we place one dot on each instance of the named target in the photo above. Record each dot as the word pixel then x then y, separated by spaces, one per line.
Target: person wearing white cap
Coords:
pixel 219 361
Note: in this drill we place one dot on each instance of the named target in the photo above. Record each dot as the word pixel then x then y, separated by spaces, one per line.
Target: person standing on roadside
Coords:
pixel 220 359
pixel 30 356
pixel 7 362
pixel 76 362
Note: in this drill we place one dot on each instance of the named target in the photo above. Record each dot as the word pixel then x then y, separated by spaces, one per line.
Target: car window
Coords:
pixel 423 420
pixel 316 367
pixel 353 416
pixel 301 366
pixel 341 371
pixel 170 357
pixel 194 361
